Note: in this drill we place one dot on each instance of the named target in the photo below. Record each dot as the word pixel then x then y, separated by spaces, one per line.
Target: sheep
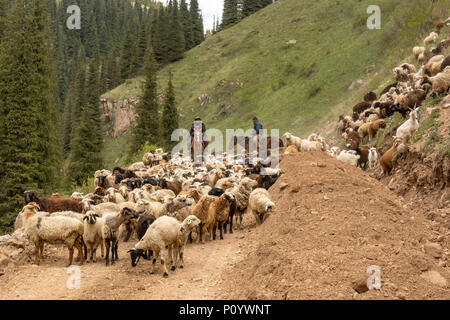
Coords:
pixel 432 37
pixel 433 66
pixel 417 51
pixel 260 205
pixel 334 152
pixel 445 63
pixel 291 149
pixel 401 73
pixel 370 96
pixel 148 159
pixel 407 129
pixel 362 106
pixel 40 229
pixel 353 140
pixel 113 195
pixel 148 207
pixel 77 196
pixel 207 218
pixel 165 232
pixel 173 205
pixel 100 208
pixel 373 157
pixel 439 83
pixel 51 205
pixel 221 208
pixel 349 157
pixel 307 146
pixel 93 237
pixel 386 159
pixel 160 195
pixel 292 140
pixel 144 222
pixel 112 222
pixel 241 194
pixel 411 100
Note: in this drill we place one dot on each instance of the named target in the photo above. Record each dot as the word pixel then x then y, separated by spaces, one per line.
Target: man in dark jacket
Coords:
pixel 257 126
pixel 196 126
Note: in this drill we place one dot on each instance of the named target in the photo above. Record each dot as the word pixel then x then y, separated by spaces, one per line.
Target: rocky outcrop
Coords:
pixel 121 115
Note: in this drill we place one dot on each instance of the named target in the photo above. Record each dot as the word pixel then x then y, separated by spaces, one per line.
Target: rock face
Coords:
pixel 121 115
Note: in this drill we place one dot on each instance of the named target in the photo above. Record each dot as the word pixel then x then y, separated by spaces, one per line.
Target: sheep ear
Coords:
pixel 85 217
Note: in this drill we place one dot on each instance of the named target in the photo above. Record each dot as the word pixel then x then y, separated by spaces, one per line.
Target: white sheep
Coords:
pixel 431 38
pixel 349 156
pixel 417 51
pixel 113 195
pixel 334 152
pixel 41 228
pixel 407 129
pixel 93 236
pixel 260 204
pixel 241 194
pixel 165 237
pixel 373 157
pixel 292 140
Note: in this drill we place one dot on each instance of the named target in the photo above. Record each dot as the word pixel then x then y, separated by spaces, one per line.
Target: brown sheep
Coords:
pixel 440 83
pixel 370 97
pixel 353 140
pixel 53 204
pixel 386 159
pixel 375 126
pixel 362 106
pixel 221 208
pixel 207 217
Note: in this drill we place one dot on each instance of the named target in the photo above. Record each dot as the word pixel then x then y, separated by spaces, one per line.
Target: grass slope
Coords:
pixel 294 88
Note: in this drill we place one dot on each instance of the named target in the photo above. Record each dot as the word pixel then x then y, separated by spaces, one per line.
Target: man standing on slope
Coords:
pixel 198 129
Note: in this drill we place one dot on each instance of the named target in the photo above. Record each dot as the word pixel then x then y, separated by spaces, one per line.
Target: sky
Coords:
pixel 210 8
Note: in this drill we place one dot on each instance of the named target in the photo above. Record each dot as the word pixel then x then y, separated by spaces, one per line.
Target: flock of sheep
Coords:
pixel 165 201
pixel 405 96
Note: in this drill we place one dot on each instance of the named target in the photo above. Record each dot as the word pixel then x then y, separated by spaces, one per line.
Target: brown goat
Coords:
pixel 386 159
pixel 353 140
pixel 53 204
pixel 362 106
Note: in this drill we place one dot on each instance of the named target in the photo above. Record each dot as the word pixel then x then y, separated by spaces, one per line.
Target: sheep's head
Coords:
pixel 287 135
pixel 127 214
pixel 30 209
pixel 86 204
pixel 91 217
pixel 136 255
pixel 270 207
pixel 30 196
pixel 141 206
pixel 191 222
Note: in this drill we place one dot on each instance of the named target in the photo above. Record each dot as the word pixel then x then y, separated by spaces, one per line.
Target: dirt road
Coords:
pixel 198 280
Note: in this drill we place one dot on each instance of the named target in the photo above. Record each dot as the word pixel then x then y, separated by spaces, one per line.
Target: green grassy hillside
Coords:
pixel 297 88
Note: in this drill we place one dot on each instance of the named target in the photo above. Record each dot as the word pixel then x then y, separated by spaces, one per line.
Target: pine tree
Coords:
pixel 127 57
pixel 2 16
pixel 147 110
pixel 170 116
pixel 29 154
pixel 187 25
pixel 176 44
pixel 88 140
pixel 230 13
pixel 198 34
pixel 141 45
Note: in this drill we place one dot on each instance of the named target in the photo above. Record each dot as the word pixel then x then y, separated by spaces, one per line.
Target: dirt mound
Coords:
pixel 332 222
